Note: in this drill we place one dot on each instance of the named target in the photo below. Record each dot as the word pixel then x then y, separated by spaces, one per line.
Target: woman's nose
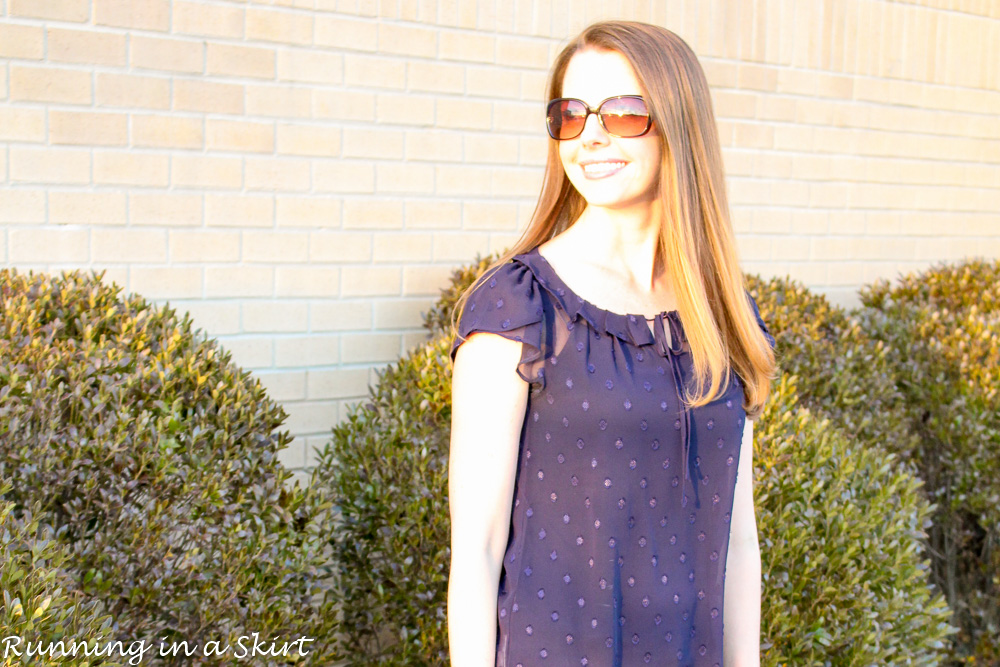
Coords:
pixel 593 131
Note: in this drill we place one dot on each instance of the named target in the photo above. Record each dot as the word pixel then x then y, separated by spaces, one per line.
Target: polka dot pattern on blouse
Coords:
pixel 620 522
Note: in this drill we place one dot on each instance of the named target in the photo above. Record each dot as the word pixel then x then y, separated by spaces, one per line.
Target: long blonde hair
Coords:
pixel 696 242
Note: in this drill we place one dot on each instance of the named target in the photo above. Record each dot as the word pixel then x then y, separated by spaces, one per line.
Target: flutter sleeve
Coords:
pixel 509 302
pixel 760 322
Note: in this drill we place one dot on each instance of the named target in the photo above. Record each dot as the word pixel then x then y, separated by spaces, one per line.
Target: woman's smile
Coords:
pixel 595 169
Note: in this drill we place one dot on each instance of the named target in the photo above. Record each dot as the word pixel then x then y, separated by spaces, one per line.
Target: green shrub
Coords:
pixel 385 473
pixel 942 328
pixel 385 470
pixel 844 575
pixel 40 604
pixel 154 459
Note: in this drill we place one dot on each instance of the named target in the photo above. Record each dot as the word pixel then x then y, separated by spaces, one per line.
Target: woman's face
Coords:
pixel 609 172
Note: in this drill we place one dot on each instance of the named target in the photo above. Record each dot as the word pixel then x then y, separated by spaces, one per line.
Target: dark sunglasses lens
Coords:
pixel 625 116
pixel 565 118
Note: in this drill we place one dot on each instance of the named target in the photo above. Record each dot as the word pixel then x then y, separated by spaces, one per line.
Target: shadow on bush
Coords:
pixel 146 462
pixel 846 580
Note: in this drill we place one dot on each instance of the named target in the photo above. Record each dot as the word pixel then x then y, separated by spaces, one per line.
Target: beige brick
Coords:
pixel 308 418
pixel 336 383
pixel 197 18
pixel 467 47
pixel 169 282
pixel 279 101
pixel 207 171
pixel 404 178
pixel 463 181
pixel 239 281
pixel 59 10
pixel 405 109
pixel 373 214
pixel 249 61
pixel 203 245
pixel 270 246
pixel 308 351
pixel 521 52
pixel 127 90
pixel 287 386
pixel 491 149
pixel 370 347
pixel 534 86
pixel 21 41
pixel 51 165
pixel 239 210
pixel 407 40
pixel 370 281
pixel 239 135
pixel 216 318
pixel 87 208
pixel 515 116
pixel 170 209
pixel 343 105
pixel 516 182
pixel 340 316
pixel 84 46
pixel 400 313
pixel 310 66
pixel 142 246
pixel 339 247
pixel 307 282
pixel 167 132
pixel 279 26
pixel 434 214
pixel 433 145
pixel 48 84
pixel 435 77
pixel 346 33
pixel 19 124
pixel 171 55
pixel 402 247
pixel 343 177
pixel 459 247
pixel 47 245
pixel 277 174
pixel 130 168
pixel 489 216
pixel 491 81
pixel 145 15
pixel 88 129
pixel 250 352
pixel 275 317
pixel 20 206
pixel 469 115
pixel 424 280
pixel 318 140
pixel 307 212
pixel 373 143
pixel 532 151
pixel 209 97
pixel 374 72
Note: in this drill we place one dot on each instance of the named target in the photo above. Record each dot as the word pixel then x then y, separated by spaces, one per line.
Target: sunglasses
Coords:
pixel 622 116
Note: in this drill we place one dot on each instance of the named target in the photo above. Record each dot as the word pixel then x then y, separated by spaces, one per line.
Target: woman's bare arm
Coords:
pixel 741 614
pixel 488 405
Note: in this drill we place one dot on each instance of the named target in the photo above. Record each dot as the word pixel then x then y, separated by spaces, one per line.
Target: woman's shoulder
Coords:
pixel 506 298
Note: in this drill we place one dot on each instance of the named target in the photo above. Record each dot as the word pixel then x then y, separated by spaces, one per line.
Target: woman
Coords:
pixel 600 493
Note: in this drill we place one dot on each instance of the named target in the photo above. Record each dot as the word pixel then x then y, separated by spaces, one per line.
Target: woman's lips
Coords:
pixel 602 169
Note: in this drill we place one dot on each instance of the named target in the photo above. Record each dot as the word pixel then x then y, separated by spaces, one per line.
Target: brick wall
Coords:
pixel 302 175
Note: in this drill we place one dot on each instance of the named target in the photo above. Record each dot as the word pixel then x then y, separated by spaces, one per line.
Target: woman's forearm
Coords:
pixel 472 612
pixel 741 614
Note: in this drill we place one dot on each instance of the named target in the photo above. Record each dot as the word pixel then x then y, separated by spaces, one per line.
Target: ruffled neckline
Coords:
pixel 629 327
